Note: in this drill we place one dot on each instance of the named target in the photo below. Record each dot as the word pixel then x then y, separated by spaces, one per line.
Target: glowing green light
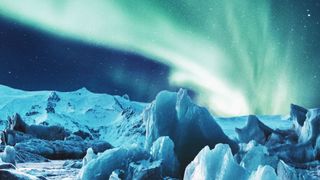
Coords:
pixel 225 50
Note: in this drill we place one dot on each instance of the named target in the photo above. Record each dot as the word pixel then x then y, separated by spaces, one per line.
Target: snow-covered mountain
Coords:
pixel 115 119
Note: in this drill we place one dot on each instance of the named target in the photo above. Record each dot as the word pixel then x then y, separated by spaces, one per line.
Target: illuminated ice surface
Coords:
pixel 286 152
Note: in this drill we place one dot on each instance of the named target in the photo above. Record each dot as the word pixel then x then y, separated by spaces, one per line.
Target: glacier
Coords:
pixel 84 135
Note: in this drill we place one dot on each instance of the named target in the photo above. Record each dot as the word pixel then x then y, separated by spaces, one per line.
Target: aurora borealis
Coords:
pixel 240 57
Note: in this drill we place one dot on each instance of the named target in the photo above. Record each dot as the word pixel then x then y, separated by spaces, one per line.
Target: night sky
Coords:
pixel 35 60
pixel 239 57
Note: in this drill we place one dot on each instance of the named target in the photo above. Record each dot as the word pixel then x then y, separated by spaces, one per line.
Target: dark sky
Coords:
pixel 34 60
pixel 239 57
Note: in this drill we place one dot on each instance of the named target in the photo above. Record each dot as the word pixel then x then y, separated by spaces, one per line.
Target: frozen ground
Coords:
pixel 53 170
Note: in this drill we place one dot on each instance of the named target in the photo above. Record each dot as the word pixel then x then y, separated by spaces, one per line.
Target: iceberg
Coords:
pixel 316 150
pixel 284 171
pixel 217 163
pixel 117 175
pixel 144 170
pixel 102 167
pixel 298 116
pixel 9 155
pixel 310 129
pixel 257 156
pixel 264 173
pixel 190 127
pixel 298 153
pixel 89 157
pixel 254 130
pixel 163 149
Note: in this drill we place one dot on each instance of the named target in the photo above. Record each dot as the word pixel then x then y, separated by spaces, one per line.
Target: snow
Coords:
pixel 111 118
pixel 53 170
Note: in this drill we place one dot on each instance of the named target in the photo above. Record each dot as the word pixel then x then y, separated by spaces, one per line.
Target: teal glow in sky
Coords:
pixel 232 53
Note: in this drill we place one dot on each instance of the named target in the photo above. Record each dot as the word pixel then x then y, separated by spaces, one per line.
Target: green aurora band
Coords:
pixel 230 52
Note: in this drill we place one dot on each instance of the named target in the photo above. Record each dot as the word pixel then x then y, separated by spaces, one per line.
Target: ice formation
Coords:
pixel 286 172
pixel 174 138
pixel 61 149
pixel 163 150
pixel 8 174
pixel 298 116
pixel 217 163
pixel 89 157
pixel 191 127
pixel 110 160
pixel 145 170
pixel 9 155
pixel 257 156
pixel 310 130
pixel 254 130
pixel 264 173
